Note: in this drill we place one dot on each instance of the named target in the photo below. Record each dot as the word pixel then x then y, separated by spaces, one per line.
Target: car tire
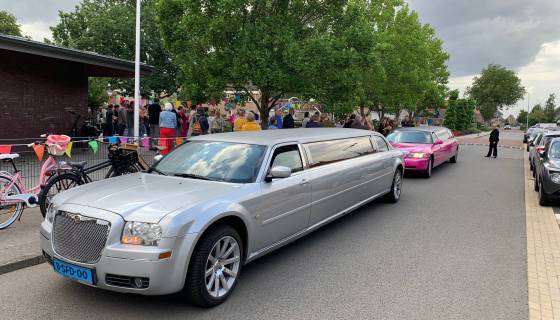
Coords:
pixel 543 197
pixel 196 289
pixel 454 158
pixel 396 187
pixel 428 172
pixel 536 182
pixel 57 184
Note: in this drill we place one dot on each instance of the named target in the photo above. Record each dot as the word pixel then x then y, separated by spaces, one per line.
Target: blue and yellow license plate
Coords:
pixel 73 272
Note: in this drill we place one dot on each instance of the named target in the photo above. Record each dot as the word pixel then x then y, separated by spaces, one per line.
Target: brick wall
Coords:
pixel 36 94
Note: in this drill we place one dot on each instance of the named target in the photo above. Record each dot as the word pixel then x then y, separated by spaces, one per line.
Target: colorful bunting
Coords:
pixel 146 143
pixel 112 139
pixel 93 146
pixel 178 141
pixel 123 139
pixel 69 150
pixel 39 151
pixel 5 149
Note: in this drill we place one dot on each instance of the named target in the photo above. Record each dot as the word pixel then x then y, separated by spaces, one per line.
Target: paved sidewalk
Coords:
pixel 19 244
pixel 543 255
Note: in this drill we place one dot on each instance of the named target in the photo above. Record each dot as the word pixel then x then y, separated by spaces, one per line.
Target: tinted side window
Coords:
pixel 287 156
pixel 442 134
pixel 381 144
pixel 326 152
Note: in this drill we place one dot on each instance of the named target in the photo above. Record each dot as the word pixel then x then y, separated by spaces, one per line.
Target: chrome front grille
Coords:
pixel 79 238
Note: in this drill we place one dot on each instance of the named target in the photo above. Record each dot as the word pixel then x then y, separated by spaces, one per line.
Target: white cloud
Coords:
pixel 540 78
pixel 37 30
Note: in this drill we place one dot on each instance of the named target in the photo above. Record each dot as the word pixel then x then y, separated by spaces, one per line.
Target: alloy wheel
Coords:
pixel 397 185
pixel 222 266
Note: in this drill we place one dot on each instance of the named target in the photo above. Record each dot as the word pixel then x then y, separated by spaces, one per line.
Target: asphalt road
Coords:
pixel 454 247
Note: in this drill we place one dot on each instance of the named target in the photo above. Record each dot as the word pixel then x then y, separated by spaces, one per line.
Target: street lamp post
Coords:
pixel 137 74
pixel 527 118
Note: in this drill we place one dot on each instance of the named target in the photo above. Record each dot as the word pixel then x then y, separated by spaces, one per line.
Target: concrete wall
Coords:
pixel 36 94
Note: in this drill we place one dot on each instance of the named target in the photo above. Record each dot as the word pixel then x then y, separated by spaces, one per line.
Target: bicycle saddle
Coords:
pixel 79 164
pixel 10 156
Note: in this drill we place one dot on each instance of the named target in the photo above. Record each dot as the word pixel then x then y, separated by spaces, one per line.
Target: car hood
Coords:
pixel 554 164
pixel 411 147
pixel 143 196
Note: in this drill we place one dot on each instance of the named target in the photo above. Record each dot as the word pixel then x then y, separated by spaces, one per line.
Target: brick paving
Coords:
pixel 543 255
pixel 482 140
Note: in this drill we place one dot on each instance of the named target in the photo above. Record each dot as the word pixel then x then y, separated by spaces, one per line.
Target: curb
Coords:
pixel 23 263
pixel 486 145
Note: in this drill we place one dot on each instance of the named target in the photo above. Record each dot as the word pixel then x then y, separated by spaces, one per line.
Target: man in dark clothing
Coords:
pixel 288 121
pixel 350 121
pixel 154 110
pixel 108 128
pixel 494 138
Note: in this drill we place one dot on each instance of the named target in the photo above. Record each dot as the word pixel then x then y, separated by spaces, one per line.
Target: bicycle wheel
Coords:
pixel 54 186
pixel 9 212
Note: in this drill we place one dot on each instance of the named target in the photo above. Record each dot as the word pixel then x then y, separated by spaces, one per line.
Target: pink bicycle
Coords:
pixel 14 195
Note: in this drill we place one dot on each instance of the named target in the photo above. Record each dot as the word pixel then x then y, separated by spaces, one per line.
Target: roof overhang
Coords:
pixel 96 65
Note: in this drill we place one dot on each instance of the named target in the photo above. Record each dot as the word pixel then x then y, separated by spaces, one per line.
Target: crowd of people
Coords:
pixel 164 125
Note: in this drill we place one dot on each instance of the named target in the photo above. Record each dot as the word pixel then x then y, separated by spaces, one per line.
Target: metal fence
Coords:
pixel 30 166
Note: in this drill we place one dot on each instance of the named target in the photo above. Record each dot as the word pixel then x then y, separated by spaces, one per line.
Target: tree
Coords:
pixel 537 115
pixel 108 27
pixel 497 88
pixel 550 108
pixel 245 44
pixel 9 25
pixel 522 117
pixel 459 113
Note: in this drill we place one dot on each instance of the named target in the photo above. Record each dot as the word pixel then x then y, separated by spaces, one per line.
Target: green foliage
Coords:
pixel 522 117
pixel 459 113
pixel 550 108
pixel 9 25
pixel 97 92
pixel 495 89
pixel 537 115
pixel 346 54
pixel 108 27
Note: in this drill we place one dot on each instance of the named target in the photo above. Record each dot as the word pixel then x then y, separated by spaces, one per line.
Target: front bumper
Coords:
pixel 414 164
pixel 164 276
pixel 550 188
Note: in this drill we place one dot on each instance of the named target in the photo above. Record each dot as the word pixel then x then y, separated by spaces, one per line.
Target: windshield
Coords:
pixel 211 160
pixel 419 137
pixel 554 150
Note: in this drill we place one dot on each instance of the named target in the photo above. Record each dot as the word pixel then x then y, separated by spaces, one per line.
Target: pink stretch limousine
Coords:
pixel 427 147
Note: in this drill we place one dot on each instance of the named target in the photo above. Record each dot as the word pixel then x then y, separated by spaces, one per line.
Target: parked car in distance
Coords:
pixel 547 172
pixel 218 201
pixel 538 146
pixel 532 146
pixel 507 127
pixel 425 147
pixel 531 138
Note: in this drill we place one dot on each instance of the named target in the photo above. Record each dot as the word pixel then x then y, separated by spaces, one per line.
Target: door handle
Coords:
pixel 303 182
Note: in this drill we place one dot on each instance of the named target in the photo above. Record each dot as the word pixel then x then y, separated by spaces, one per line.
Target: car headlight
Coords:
pixel 417 155
pixel 555 177
pixel 141 233
pixel 51 212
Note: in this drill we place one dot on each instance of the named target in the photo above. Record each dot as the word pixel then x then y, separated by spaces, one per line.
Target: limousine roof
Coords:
pixel 273 137
pixel 426 128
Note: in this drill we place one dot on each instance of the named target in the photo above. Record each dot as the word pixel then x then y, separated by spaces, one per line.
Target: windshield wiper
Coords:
pixel 193 176
pixel 152 169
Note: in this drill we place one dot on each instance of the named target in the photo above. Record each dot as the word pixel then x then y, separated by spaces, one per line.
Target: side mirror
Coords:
pixel 541 153
pixel 279 172
pixel 438 141
pixel 157 158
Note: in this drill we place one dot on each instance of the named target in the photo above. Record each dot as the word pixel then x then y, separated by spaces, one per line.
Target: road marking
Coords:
pixel 543 255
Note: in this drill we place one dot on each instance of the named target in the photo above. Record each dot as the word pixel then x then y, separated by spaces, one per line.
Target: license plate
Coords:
pixel 73 272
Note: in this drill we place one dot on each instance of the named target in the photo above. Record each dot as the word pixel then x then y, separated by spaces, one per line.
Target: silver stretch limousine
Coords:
pixel 213 204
